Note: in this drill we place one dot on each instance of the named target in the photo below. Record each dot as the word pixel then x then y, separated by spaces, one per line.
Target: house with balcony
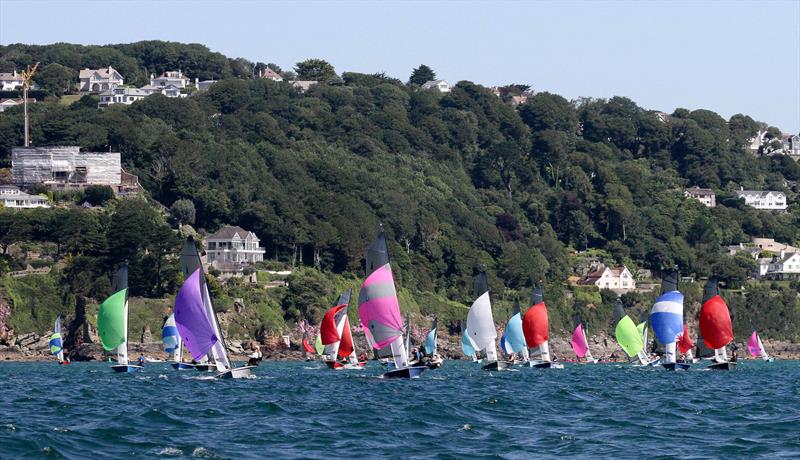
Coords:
pixel 784 266
pixel 618 279
pixel 121 95
pixel 232 248
pixel 174 78
pixel 99 80
pixel 13 197
pixel 703 195
pixel 763 199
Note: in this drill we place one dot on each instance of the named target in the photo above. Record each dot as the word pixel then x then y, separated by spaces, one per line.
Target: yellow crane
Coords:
pixel 27 75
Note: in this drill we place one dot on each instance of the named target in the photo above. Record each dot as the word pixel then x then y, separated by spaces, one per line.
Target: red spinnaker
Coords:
pixel 715 323
pixel 535 325
pixel 346 345
pixel 307 346
pixel 685 342
pixel 327 329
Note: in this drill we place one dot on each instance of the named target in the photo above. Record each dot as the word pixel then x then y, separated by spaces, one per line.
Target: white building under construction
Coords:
pixel 66 167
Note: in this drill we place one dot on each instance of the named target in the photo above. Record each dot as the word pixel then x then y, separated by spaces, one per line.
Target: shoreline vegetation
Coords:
pixel 538 188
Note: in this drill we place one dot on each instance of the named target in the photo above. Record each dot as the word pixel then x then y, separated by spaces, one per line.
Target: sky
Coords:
pixel 726 56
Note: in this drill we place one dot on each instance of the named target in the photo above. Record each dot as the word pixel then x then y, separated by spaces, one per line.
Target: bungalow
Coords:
pixel 270 74
pixel 8 103
pixel 99 80
pixel 13 197
pixel 171 78
pixel 763 199
pixel 703 195
pixel 232 248
pixel 121 95
pixel 616 278
pixel 10 81
pixel 441 85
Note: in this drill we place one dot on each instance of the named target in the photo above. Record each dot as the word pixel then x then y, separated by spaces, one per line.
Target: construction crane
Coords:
pixel 27 75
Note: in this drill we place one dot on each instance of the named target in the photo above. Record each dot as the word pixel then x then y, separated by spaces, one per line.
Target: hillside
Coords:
pixel 458 180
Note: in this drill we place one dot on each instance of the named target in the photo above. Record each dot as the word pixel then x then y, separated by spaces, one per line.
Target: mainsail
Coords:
pixel 172 339
pixel 666 316
pixel 378 307
pixel 331 330
pixel 430 340
pixel 535 325
pixel 112 318
pixel 480 322
pixel 627 335
pixel 715 321
pixel 56 342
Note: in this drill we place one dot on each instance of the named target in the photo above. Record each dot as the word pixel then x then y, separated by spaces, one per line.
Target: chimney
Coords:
pixel 196 82
pixel 783 254
pixel 15 72
pixel 152 78
pixel 109 69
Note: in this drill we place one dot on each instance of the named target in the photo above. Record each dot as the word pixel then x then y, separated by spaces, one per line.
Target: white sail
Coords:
pixel 544 352
pixel 588 355
pixel 670 353
pixel 122 349
pixel 481 328
pixel 764 354
pixel 721 355
pixel 399 353
pixel 218 349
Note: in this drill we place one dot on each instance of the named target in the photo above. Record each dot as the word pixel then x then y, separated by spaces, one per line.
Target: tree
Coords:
pixel 56 78
pixel 183 211
pixel 315 69
pixel 97 195
pixel 421 75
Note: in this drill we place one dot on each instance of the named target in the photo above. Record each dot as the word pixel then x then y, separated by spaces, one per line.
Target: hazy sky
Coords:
pixel 730 57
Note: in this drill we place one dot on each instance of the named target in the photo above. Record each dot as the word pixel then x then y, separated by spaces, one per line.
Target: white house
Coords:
pixel 441 85
pixel 785 266
pixel 10 81
pixel 616 278
pixel 757 141
pixel 763 199
pixel 303 85
pixel 791 144
pixel 703 195
pixel 174 78
pixel 168 91
pixel 121 95
pixel 8 103
pixel 203 85
pixel 233 247
pixel 270 74
pixel 13 197
pixel 99 80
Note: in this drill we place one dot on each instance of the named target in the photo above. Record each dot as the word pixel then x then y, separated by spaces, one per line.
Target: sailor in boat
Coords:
pixel 141 359
pixel 255 357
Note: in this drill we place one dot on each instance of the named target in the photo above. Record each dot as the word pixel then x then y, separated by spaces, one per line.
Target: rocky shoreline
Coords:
pixel 31 347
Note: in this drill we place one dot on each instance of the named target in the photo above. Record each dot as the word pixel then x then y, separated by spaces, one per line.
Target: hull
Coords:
pixel 728 366
pixel 339 366
pixel 545 365
pixel 237 373
pixel 495 366
pixel 183 366
pixel 205 367
pixel 63 362
pixel 126 368
pixel 676 366
pixel 407 373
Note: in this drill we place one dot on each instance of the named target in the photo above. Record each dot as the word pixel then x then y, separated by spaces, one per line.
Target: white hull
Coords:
pixel 236 373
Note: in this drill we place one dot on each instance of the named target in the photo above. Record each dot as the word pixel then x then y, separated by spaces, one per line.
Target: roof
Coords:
pixel 103 73
pixel 11 101
pixel 758 193
pixel 592 277
pixel 787 256
pixel 10 76
pixel 125 91
pixel 269 73
pixel 173 75
pixel 700 191
pixel 228 232
pixel 434 83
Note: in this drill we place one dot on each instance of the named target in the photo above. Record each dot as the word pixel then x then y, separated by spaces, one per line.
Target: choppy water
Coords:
pixel 302 410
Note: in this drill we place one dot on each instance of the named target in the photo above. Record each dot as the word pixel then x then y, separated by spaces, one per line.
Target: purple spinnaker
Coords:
pixel 579 345
pixel 193 323
pixel 752 345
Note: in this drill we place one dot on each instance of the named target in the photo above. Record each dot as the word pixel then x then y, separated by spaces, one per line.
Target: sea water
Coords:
pixel 296 409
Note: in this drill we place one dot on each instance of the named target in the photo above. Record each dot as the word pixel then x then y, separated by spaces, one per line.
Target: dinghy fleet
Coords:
pixel 524 342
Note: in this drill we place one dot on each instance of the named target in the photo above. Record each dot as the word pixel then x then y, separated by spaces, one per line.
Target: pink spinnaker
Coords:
pixel 378 304
pixel 752 345
pixel 579 345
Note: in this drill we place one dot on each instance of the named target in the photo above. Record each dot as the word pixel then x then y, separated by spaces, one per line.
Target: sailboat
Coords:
pixel 434 360
pixel 196 319
pixel 173 344
pixel 307 348
pixel 466 346
pixel 57 343
pixel 628 336
pixel 337 337
pixel 716 326
pixel 580 344
pixel 535 326
pixel 112 322
pixel 667 320
pixel 756 348
pixel 379 310
pixel 480 324
pixel 514 336
pixel 685 346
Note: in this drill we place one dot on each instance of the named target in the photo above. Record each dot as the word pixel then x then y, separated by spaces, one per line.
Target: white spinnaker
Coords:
pixel 480 325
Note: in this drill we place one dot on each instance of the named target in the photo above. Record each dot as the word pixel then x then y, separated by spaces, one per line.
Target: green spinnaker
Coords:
pixel 318 345
pixel 640 327
pixel 628 336
pixel 111 321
